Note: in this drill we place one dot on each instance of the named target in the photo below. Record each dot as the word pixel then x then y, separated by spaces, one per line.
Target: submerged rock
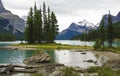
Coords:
pixel 39 58
pixel 91 61
pixel 83 53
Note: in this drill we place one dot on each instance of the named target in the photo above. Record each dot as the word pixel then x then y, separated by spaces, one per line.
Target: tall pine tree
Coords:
pixel 29 28
pixel 45 22
pixel 54 27
pixel 39 26
pixel 49 30
pixel 102 33
pixel 35 24
pixel 110 30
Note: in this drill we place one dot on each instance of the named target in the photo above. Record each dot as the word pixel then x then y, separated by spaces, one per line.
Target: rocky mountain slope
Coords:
pixel 14 23
pixel 75 29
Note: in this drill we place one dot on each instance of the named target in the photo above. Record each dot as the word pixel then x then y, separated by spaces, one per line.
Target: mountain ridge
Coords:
pixel 79 27
pixel 75 29
pixel 14 21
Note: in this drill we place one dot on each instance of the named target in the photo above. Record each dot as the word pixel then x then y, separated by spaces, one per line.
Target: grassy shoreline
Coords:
pixel 52 46
pixel 56 46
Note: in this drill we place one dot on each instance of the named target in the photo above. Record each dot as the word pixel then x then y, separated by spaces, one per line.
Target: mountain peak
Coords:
pixel 118 14
pixel 85 23
pixel 118 17
pixel 75 29
pixel 2 9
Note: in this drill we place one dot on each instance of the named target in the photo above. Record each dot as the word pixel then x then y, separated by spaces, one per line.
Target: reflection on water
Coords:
pixel 75 42
pixel 73 58
pixel 13 56
pixel 67 57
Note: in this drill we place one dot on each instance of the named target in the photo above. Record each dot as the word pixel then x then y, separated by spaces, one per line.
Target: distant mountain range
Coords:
pixel 10 23
pixel 77 28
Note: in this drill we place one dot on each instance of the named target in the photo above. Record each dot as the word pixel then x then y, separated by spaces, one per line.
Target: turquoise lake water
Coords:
pixel 66 57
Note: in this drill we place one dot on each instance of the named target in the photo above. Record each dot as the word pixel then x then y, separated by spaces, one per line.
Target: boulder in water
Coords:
pixel 39 58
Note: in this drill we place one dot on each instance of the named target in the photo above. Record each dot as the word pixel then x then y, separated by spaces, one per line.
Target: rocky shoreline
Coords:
pixel 19 48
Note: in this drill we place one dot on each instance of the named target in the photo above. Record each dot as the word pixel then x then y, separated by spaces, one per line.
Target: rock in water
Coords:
pixel 39 58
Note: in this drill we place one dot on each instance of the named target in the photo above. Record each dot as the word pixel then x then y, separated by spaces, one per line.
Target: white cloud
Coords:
pixel 68 11
pixel 18 4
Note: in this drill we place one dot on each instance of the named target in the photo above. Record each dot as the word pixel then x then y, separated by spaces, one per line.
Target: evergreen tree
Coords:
pixel 54 27
pixel 102 33
pixel 49 30
pixel 39 26
pixel 45 22
pixel 110 30
pixel 29 28
pixel 35 24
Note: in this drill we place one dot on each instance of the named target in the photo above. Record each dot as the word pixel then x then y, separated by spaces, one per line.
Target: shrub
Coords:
pixel 107 71
pixel 69 71
pixel 97 45
pixel 93 69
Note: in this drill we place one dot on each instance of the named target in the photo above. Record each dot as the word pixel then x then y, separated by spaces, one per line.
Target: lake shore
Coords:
pixel 110 54
pixel 47 46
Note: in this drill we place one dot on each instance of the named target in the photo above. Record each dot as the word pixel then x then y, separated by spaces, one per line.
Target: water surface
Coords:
pixel 66 57
pixel 8 56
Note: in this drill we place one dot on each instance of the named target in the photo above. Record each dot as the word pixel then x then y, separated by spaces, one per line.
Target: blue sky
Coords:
pixel 68 11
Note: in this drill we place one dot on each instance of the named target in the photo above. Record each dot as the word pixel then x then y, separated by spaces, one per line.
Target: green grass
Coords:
pixel 69 71
pixel 54 46
pixel 93 69
pixel 110 49
pixel 104 71
pixel 67 47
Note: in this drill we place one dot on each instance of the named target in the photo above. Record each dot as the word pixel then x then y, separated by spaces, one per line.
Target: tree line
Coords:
pixel 7 37
pixel 41 25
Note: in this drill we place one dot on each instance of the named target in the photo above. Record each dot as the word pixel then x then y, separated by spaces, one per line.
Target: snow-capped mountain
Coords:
pixel 75 29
